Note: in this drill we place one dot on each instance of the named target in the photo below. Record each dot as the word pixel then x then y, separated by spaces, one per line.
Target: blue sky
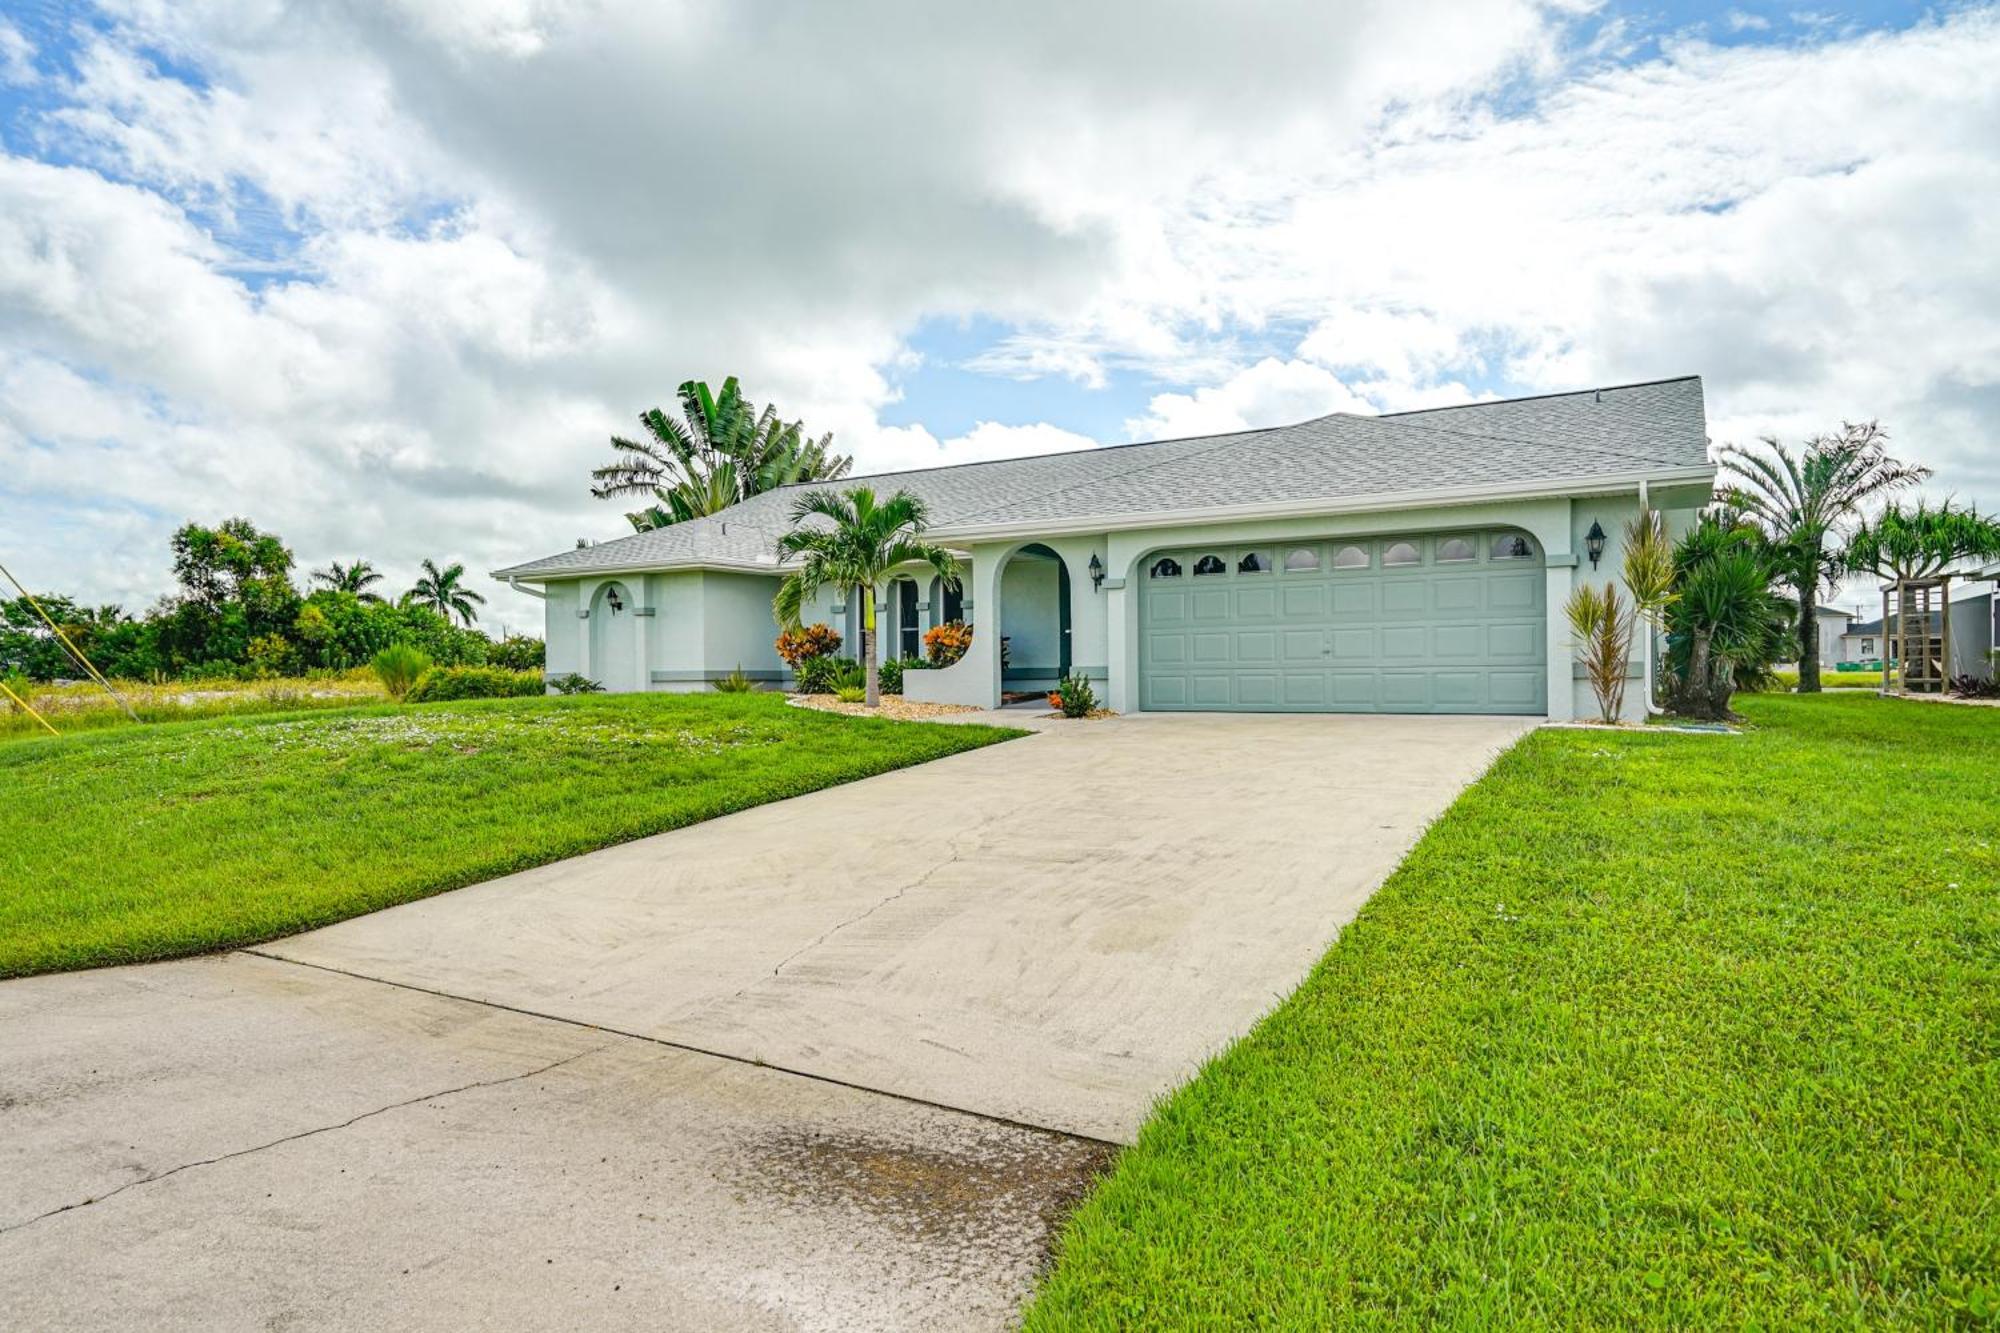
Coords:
pixel 385 276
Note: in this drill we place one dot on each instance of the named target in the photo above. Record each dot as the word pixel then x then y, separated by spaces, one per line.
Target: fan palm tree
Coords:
pixel 720 451
pixel 1803 500
pixel 440 590
pixel 854 546
pixel 355 578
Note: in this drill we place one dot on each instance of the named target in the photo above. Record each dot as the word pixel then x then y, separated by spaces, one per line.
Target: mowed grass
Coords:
pixel 174 839
pixel 1650 1030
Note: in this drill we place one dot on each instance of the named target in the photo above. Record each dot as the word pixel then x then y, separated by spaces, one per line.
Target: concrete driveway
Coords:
pixel 841 1060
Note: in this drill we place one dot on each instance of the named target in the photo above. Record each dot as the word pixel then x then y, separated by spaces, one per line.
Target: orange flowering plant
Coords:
pixel 806 642
pixel 946 643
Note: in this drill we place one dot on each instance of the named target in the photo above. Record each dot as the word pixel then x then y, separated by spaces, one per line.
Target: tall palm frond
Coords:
pixel 721 450
pixel 441 590
pixel 1920 542
pixel 355 578
pixel 1802 501
pixel 851 540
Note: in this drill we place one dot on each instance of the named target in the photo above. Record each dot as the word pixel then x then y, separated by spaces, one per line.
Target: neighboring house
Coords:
pixel 1413 562
pixel 1975 626
pixel 1833 627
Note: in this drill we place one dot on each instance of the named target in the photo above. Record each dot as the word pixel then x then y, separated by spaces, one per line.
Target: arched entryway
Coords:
pixel 614 639
pixel 1034 620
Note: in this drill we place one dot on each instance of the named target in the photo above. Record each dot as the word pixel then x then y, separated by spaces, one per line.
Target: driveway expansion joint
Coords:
pixel 908 1098
pixel 314 1132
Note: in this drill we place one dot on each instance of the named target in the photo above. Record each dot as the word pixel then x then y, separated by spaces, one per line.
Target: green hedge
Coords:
pixel 442 684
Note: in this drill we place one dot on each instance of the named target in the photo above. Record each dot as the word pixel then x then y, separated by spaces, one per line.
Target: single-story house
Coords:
pixel 1413 562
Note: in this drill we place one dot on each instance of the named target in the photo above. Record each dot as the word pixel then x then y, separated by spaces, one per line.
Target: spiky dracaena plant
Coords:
pixel 850 540
pixel 1649 577
pixel 1603 630
pixel 1803 501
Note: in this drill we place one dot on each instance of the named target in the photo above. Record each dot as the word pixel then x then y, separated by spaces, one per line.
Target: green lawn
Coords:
pixel 183 837
pixel 1650 1030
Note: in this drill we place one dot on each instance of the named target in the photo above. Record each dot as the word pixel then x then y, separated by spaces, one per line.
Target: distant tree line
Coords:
pixel 237 613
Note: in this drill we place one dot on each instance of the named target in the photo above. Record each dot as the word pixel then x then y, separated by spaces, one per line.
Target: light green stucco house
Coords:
pixel 1415 562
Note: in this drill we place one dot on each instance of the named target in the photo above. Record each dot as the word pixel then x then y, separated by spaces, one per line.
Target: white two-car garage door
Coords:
pixel 1433 623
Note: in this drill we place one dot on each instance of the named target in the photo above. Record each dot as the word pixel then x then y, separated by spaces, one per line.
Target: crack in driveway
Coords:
pixel 302 1134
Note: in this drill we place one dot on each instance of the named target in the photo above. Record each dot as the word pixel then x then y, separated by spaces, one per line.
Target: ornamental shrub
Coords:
pixel 823 675
pixel 807 642
pixel 572 682
pixel 890 674
pixel 736 682
pixel 399 667
pixel 1074 696
pixel 947 643
pixel 443 684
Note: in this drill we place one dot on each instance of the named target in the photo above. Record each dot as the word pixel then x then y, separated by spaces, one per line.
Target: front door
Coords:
pixel 909 634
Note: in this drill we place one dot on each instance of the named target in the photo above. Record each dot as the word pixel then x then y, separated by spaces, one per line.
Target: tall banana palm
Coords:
pixel 854 545
pixel 720 451
pixel 1801 501
pixel 355 578
pixel 440 590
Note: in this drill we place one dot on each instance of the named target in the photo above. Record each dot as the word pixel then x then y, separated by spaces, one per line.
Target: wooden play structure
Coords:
pixel 1918 651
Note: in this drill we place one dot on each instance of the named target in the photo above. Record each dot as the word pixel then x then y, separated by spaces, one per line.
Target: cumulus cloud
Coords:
pixel 386 275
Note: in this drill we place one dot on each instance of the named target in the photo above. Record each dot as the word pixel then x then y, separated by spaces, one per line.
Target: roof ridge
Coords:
pixel 1539 397
pixel 1218 442
pixel 1053 453
pixel 1510 439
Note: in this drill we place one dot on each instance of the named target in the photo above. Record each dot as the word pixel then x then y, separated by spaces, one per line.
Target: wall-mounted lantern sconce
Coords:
pixel 1593 543
pixel 612 600
pixel 1096 572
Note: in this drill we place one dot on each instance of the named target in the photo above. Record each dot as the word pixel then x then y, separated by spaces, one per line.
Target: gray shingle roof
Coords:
pixel 1555 438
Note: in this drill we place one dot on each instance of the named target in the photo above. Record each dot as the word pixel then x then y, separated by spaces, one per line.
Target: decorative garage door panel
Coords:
pixel 1446 623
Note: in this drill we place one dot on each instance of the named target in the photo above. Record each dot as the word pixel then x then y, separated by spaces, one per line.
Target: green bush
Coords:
pixel 399 667
pixel 851 694
pixel 518 652
pixel 823 675
pixel 442 684
pixel 891 673
pixel 736 682
pixel 570 682
pixel 1078 699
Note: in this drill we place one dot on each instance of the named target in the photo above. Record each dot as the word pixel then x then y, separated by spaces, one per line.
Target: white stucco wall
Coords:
pixel 705 623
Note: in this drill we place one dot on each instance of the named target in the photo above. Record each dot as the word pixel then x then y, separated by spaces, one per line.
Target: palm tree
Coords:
pixel 1801 501
pixel 721 451
pixel 439 589
pixel 354 578
pixel 1724 625
pixel 854 548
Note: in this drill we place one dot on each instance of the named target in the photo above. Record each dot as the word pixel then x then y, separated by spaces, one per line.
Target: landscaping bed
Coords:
pixel 1649 1030
pixel 155 841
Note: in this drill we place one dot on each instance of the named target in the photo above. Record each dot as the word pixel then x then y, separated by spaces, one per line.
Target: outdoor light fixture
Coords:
pixel 611 598
pixel 1096 572
pixel 1593 542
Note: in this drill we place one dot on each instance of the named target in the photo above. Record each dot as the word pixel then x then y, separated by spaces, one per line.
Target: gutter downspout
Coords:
pixel 1646 651
pixel 515 584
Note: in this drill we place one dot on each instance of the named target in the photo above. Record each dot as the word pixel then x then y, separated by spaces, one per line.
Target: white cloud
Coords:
pixel 520 224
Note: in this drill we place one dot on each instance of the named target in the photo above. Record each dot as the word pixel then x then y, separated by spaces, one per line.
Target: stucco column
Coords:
pixel 642 599
pixel 1561 574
